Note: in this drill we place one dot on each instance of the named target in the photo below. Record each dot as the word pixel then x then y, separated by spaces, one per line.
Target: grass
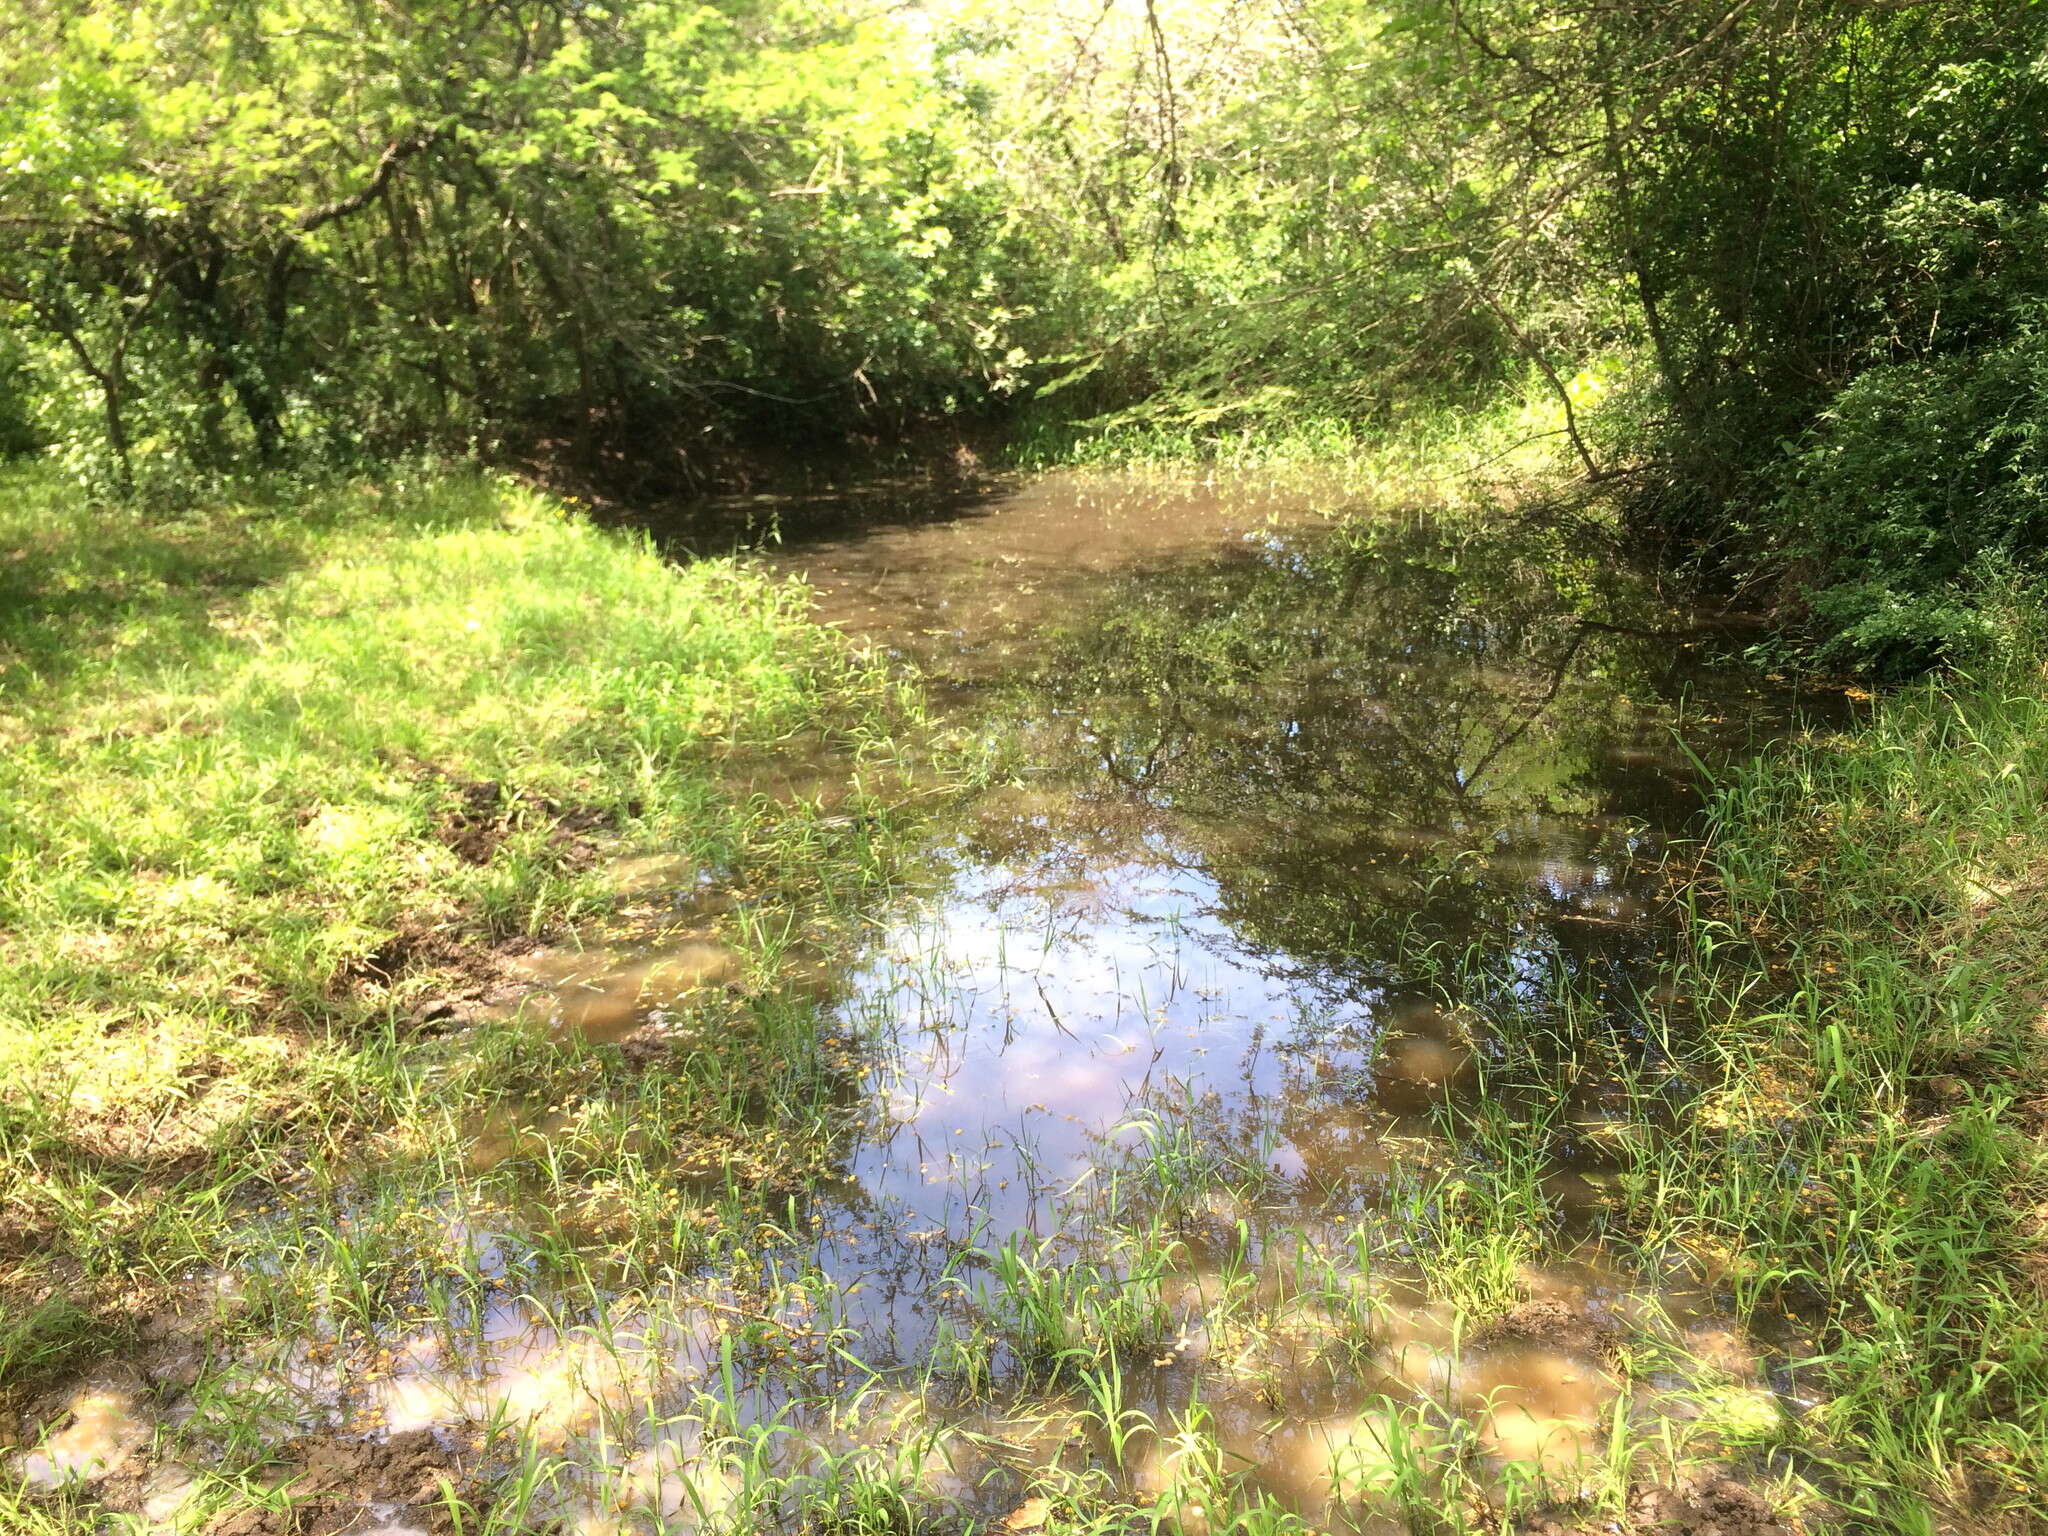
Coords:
pixel 1856 1053
pixel 275 775
pixel 1871 994
pixel 1427 455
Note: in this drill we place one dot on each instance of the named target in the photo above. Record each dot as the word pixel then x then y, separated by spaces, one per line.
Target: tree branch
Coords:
pixel 396 153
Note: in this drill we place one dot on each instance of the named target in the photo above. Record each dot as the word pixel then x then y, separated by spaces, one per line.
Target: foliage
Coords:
pixel 246 232
pixel 1925 483
pixel 1732 249
pixel 1836 242
pixel 1263 231
pixel 17 428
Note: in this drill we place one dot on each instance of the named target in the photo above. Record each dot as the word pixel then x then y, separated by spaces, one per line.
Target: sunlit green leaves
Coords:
pixel 315 228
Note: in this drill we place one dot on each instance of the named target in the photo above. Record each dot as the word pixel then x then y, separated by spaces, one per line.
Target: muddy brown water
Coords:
pixel 1261 766
pixel 1297 802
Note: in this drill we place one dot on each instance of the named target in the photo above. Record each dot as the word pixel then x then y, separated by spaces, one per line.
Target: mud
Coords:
pixel 1709 1505
pixel 1713 1506
pixel 1549 1323
pixel 89 1434
pixel 484 813
pixel 479 822
pixel 335 1487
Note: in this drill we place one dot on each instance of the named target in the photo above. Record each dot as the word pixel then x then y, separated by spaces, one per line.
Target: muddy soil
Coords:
pixel 1709 1505
pixel 347 1487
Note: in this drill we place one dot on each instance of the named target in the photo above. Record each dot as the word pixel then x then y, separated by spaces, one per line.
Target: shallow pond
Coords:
pixel 1233 1099
pixel 1320 890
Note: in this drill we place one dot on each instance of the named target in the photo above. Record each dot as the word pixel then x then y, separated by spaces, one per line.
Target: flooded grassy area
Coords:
pixel 1264 1029
pixel 291 794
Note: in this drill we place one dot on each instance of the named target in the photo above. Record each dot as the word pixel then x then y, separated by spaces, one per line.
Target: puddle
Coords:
pixel 105 1424
pixel 1329 860
pixel 1200 963
pixel 1199 968
pixel 603 996
pixel 1191 978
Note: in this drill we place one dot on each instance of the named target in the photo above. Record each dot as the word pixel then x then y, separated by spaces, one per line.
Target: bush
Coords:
pixel 17 421
pixel 1923 482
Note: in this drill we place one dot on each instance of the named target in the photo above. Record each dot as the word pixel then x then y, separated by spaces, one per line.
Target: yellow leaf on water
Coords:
pixel 1028 1516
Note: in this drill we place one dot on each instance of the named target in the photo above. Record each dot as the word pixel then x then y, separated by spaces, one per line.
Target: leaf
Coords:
pixel 1028 1516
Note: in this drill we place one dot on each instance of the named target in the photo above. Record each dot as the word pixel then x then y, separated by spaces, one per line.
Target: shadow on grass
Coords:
pixel 80 582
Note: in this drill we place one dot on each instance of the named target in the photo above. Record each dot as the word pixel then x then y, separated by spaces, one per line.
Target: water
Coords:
pixel 1301 816
pixel 1271 778
pixel 1242 1078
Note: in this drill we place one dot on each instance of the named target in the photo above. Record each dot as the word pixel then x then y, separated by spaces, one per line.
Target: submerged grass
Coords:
pixel 1838 1130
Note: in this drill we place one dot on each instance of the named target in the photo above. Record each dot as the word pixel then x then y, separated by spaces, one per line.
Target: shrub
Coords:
pixel 1924 481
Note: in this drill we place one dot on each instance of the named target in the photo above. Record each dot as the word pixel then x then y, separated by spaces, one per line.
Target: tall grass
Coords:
pixel 1428 453
pixel 1867 980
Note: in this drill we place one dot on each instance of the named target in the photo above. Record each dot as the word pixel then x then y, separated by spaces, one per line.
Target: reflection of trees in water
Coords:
pixel 1400 735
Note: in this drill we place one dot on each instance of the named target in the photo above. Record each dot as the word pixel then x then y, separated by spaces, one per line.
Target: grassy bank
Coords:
pixel 1870 978
pixel 282 788
pixel 1514 444
pixel 1832 1117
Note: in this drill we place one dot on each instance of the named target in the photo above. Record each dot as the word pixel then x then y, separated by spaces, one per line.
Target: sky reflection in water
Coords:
pixel 1265 763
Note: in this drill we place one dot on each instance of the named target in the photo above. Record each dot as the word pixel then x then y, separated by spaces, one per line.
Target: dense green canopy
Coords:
pixel 245 230
pixel 1775 267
